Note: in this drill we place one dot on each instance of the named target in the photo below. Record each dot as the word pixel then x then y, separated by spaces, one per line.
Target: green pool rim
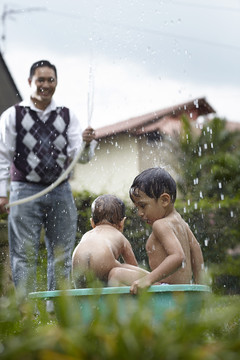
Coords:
pixel 118 290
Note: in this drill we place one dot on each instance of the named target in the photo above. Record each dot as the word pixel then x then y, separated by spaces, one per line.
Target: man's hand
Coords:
pixel 88 135
pixel 3 202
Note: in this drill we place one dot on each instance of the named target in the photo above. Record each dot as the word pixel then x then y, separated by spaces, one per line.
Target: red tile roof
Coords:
pixel 233 125
pixel 165 120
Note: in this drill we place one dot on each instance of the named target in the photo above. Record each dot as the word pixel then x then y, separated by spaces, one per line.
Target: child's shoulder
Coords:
pixel 170 221
pixel 161 224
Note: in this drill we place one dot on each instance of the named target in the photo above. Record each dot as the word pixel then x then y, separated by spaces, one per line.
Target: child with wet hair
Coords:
pixel 100 248
pixel 174 255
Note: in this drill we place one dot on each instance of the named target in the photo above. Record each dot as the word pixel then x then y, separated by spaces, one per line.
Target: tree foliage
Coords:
pixel 209 186
pixel 209 161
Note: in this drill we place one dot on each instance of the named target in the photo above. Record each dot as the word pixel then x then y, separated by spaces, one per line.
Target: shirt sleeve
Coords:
pixel 7 147
pixel 75 141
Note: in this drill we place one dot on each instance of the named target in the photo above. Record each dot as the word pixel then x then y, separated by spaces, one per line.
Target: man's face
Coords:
pixel 43 84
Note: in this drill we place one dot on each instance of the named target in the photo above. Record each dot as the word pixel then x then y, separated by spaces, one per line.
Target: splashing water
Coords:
pixel 195 181
pixel 90 95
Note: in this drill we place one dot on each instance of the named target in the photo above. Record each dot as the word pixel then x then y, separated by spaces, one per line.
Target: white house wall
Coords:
pixel 157 153
pixel 112 170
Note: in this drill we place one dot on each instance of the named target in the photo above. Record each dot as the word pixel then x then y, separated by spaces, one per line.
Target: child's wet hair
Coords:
pixel 154 182
pixel 108 208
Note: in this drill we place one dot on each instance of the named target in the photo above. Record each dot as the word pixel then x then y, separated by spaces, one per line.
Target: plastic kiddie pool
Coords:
pixel 158 299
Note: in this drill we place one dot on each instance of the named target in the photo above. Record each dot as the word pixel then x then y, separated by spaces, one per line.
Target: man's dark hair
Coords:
pixel 41 63
pixel 154 182
pixel 108 207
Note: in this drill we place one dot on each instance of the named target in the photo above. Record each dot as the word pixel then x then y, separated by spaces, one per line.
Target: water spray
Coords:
pixel 90 95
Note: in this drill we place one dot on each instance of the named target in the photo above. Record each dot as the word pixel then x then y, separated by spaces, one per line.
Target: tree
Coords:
pixel 209 166
pixel 210 161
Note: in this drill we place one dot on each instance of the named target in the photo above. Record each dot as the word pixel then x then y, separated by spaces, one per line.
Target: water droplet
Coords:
pixel 196 103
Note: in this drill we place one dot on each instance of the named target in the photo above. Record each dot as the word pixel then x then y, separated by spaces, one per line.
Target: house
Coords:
pixel 9 94
pixel 128 147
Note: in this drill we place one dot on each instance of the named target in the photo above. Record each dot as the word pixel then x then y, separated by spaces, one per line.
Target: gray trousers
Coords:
pixel 56 213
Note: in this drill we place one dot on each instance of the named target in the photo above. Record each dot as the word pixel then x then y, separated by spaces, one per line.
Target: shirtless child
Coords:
pixel 100 248
pixel 174 255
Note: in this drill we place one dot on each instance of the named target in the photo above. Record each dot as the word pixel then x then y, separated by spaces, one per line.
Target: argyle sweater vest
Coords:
pixel 41 148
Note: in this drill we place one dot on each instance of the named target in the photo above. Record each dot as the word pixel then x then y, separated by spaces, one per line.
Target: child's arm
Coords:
pixel 196 258
pixel 173 261
pixel 128 254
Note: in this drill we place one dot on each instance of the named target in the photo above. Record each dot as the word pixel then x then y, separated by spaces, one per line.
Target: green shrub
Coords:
pixel 83 201
pixel 226 277
pixel 215 225
pixel 213 334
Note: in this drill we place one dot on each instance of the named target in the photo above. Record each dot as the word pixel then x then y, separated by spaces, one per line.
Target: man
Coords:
pixel 38 140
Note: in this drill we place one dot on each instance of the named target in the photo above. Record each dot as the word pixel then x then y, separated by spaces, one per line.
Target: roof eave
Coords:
pixel 133 125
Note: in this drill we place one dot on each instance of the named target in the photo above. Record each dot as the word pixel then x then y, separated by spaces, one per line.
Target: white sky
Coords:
pixel 145 55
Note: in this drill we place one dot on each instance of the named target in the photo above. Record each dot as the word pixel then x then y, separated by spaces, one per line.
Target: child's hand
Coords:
pixel 139 284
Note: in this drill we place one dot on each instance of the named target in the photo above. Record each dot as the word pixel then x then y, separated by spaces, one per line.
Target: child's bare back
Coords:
pixel 100 248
